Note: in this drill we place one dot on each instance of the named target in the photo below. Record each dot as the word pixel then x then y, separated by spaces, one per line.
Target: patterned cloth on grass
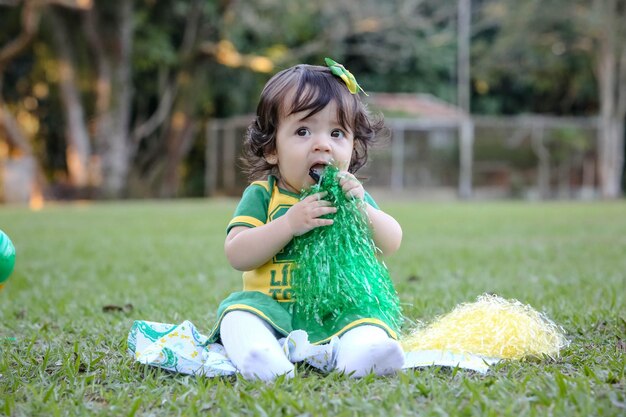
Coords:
pixel 182 349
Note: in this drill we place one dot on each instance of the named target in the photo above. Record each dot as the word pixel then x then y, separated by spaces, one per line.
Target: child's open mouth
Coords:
pixel 316 171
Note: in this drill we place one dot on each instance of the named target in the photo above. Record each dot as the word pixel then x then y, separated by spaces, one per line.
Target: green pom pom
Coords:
pixel 337 272
pixel 7 257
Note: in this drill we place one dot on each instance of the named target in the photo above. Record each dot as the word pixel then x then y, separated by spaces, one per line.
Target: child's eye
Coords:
pixel 303 131
pixel 337 133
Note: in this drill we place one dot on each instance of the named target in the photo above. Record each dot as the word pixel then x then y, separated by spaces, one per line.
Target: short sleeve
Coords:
pixel 252 208
pixel 368 199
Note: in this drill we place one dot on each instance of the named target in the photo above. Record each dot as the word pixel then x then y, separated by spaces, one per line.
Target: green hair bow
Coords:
pixel 347 77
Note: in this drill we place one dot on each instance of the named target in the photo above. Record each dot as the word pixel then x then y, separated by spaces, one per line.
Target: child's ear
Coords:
pixel 271 158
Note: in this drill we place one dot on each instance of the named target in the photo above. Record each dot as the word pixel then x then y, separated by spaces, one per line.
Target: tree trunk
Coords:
pixel 12 131
pixel 182 127
pixel 113 123
pixel 611 130
pixel 78 149
pixel 20 150
pixel 30 16
pixel 180 131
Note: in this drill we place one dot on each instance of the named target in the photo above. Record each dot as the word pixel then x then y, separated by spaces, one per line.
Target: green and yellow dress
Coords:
pixel 267 290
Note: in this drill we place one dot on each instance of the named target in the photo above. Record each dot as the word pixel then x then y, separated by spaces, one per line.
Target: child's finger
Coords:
pixel 316 197
pixel 346 177
pixel 353 189
pixel 322 211
pixel 323 222
pixel 350 185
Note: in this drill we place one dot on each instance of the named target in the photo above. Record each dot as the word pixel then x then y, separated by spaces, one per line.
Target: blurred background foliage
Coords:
pixel 112 98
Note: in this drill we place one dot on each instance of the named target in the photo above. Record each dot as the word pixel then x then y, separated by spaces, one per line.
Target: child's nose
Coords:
pixel 323 144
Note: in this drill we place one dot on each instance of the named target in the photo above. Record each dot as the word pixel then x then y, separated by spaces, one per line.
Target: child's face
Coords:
pixel 303 143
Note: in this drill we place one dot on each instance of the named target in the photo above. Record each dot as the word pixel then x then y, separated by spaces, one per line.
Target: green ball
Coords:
pixel 7 257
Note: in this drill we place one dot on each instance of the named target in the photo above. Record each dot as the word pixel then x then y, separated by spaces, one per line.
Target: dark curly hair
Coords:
pixel 313 88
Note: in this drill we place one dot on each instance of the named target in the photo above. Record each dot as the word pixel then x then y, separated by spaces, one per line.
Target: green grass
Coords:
pixel 61 354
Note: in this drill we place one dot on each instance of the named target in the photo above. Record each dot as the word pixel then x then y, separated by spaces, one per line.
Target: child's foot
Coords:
pixel 252 347
pixel 359 355
pixel 265 364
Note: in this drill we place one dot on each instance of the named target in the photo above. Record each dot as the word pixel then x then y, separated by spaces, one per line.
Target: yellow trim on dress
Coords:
pixel 357 323
pixel 248 220
pixel 366 321
pixel 245 307
pixel 263 184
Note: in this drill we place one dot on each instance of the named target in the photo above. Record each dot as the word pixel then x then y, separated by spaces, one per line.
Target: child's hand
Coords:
pixel 305 215
pixel 352 188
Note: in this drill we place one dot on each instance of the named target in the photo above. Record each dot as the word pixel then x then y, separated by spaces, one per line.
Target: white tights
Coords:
pixel 253 348
pixel 368 349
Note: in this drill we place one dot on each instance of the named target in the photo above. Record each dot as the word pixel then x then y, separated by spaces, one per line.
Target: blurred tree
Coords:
pixel 78 149
pixel 24 19
pixel 26 23
pixel 605 21
pixel 394 46
pixel 181 69
pixel 558 52
pixel 133 82
pixel 233 47
pixel 108 33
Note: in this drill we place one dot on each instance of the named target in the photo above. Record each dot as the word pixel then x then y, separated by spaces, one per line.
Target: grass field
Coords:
pixel 63 353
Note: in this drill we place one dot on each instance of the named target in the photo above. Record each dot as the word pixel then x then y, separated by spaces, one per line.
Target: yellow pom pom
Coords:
pixel 491 327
